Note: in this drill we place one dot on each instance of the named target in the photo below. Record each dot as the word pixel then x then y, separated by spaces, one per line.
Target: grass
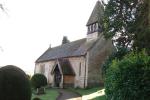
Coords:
pixel 96 93
pixel 51 94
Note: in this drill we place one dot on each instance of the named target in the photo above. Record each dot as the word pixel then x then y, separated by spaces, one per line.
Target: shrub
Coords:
pixel 38 80
pixel 14 84
pixel 129 78
pixel 115 55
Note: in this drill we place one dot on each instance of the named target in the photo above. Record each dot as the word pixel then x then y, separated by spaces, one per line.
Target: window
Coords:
pixel 79 69
pixel 42 68
pixel 88 28
pixel 95 27
pixel 91 28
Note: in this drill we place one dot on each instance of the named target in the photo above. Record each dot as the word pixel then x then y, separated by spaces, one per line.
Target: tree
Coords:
pixel 117 55
pixel 14 84
pixel 142 27
pixel 38 80
pixel 65 40
pixel 119 16
pixel 128 79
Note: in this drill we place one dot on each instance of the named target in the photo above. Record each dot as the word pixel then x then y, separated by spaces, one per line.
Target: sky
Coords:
pixel 29 27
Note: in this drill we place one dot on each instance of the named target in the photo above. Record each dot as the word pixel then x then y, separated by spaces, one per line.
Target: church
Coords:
pixel 78 63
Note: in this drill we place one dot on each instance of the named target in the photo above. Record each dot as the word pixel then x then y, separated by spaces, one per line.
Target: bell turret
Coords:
pixel 94 24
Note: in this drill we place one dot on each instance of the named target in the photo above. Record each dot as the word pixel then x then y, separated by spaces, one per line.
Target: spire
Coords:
pixel 97 14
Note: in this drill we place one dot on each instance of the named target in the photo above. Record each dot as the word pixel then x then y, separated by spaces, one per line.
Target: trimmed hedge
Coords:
pixel 129 78
pixel 38 80
pixel 14 84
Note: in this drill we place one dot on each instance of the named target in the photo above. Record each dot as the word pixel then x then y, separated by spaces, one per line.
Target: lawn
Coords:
pixel 51 94
pixel 96 93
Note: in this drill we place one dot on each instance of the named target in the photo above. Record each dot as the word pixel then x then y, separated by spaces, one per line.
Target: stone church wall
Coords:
pixel 97 55
pixel 78 65
pixel 45 68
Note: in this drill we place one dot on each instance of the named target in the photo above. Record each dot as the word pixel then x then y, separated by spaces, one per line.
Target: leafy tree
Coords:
pixel 119 16
pixel 65 40
pixel 141 27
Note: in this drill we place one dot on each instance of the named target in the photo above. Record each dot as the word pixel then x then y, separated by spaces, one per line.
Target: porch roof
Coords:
pixel 65 66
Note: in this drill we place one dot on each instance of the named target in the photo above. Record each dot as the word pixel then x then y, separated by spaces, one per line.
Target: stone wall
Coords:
pixel 76 62
pixel 48 68
pixel 97 55
pixel 92 36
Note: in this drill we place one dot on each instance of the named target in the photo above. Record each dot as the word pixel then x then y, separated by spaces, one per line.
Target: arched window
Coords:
pixel 95 27
pixel 42 68
pixel 88 28
pixel 91 28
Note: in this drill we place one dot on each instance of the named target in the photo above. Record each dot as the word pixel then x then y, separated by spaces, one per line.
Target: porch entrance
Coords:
pixel 57 77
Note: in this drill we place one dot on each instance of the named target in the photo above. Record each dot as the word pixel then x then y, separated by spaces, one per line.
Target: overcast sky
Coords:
pixel 28 27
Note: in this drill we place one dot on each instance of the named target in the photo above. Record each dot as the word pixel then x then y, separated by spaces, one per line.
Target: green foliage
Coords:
pixel 14 84
pixel 51 94
pixel 142 27
pixel 119 54
pixel 128 79
pixel 38 80
pixel 119 16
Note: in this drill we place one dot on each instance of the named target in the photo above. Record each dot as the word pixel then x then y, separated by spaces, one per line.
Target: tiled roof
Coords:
pixel 97 14
pixel 75 48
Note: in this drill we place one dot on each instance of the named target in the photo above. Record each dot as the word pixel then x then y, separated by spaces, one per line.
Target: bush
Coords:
pixel 129 78
pixel 119 54
pixel 14 84
pixel 38 80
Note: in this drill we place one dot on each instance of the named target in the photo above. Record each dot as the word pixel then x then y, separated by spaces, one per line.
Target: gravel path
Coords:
pixel 68 95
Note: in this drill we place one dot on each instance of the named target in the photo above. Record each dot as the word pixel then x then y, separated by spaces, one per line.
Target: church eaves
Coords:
pixel 97 14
